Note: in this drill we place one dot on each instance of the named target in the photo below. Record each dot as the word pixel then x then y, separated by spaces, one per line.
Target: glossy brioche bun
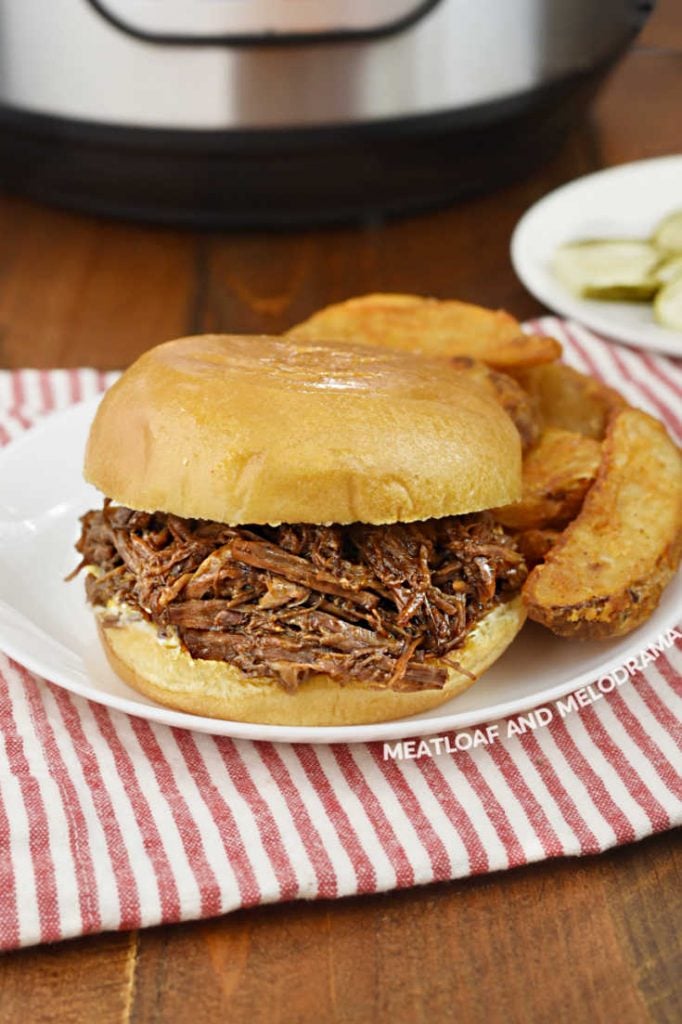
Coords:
pixel 242 429
pixel 215 689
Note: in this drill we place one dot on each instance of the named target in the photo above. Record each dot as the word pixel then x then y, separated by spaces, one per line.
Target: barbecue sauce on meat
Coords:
pixel 356 602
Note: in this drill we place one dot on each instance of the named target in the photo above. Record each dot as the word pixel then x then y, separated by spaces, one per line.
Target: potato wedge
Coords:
pixel 557 473
pixel 535 545
pixel 565 398
pixel 430 327
pixel 516 402
pixel 606 573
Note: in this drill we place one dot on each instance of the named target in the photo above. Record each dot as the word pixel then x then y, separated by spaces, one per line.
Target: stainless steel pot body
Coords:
pixel 165 64
pixel 262 112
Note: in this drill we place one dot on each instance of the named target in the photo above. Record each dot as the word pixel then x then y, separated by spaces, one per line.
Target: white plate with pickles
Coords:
pixel 606 250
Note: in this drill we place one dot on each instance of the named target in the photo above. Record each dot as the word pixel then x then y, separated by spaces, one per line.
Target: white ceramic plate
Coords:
pixel 621 202
pixel 46 625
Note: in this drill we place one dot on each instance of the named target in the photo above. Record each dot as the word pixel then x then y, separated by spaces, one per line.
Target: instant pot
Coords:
pixel 265 112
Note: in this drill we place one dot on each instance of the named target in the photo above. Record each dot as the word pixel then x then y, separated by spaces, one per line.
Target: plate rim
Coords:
pixel 373 732
pixel 568 305
pixel 396 729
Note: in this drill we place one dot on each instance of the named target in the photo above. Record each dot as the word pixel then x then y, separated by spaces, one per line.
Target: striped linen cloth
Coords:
pixel 111 822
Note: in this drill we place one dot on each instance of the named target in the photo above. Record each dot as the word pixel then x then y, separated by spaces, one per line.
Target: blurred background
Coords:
pixel 236 164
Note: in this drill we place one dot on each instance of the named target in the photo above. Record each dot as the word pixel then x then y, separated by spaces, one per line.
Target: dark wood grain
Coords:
pixel 664 29
pixel 87 981
pixel 639 113
pixel 75 291
pixel 569 941
pixel 265 283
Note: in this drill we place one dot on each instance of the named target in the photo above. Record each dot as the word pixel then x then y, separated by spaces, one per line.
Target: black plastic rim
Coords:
pixel 281 178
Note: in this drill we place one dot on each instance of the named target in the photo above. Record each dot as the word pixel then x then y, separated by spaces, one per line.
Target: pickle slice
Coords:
pixel 668 304
pixel 616 270
pixel 669 269
pixel 668 233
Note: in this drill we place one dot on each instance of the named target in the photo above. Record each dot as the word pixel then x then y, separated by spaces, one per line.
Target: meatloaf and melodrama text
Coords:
pixel 367 603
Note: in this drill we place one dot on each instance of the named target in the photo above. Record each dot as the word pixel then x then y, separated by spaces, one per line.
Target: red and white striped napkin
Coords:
pixel 111 822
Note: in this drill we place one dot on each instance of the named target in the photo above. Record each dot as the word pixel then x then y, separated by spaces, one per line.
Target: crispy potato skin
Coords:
pixel 557 474
pixel 562 397
pixel 430 327
pixel 518 404
pixel 536 544
pixel 606 573
pixel 504 389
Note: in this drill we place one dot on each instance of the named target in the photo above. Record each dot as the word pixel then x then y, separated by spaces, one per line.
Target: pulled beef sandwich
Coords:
pixel 295 532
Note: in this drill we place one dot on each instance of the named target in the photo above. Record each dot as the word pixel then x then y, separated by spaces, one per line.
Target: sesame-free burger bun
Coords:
pixel 259 430
pixel 169 675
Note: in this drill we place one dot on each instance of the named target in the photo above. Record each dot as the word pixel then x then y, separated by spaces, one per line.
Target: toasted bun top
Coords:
pixel 267 430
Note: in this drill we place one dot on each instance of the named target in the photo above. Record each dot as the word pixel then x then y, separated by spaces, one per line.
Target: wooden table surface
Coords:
pixel 596 939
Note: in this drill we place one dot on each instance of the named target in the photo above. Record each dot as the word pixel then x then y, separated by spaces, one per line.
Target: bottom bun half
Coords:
pixel 215 689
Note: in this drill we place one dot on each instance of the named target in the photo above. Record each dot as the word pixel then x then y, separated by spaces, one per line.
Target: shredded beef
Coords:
pixel 361 602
